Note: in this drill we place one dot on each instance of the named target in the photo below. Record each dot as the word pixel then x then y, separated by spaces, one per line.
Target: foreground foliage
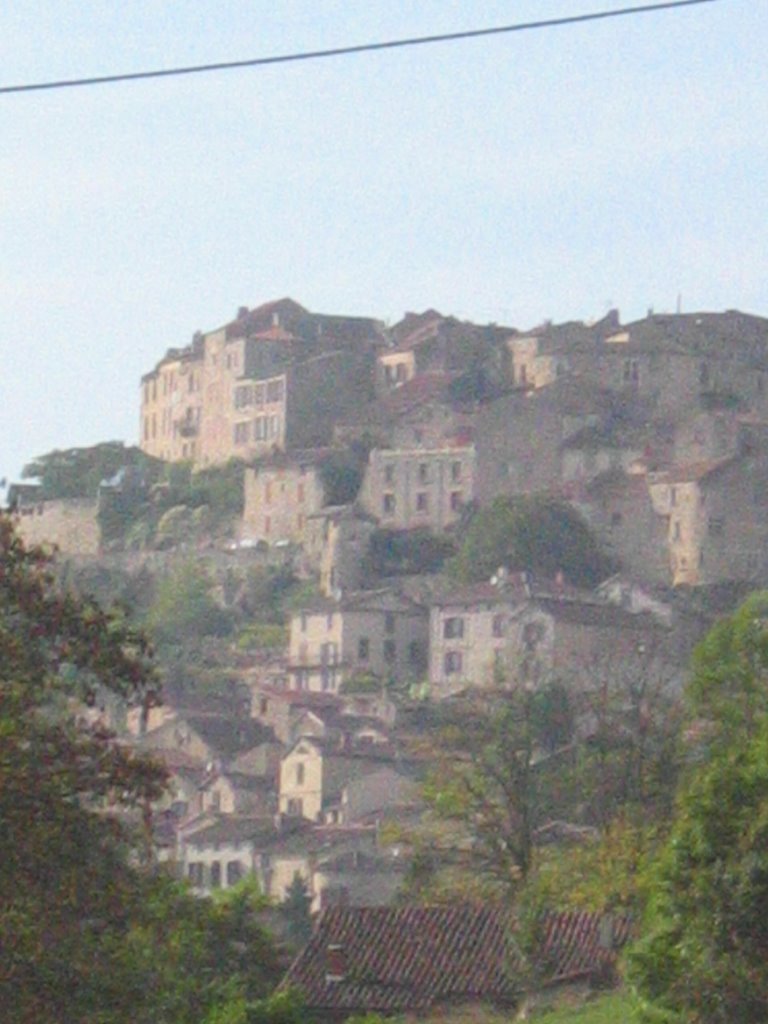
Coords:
pixel 87 932
pixel 704 956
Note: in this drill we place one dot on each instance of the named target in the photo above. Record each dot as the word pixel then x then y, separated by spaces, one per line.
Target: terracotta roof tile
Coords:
pixel 579 943
pixel 394 959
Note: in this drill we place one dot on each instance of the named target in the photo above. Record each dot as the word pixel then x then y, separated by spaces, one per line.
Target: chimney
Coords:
pixel 242 312
pixel 335 964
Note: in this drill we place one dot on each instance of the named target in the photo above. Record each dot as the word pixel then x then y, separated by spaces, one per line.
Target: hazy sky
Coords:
pixel 545 174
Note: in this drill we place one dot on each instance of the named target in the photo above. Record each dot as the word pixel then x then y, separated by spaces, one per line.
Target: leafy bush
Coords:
pixel 539 535
pixel 406 552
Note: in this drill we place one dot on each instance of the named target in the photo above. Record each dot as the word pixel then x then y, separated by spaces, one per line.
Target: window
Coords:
pixel 274 390
pixel 453 628
pixel 258 394
pixel 672 495
pixel 390 651
pixel 533 633
pixel 215 874
pixel 234 872
pixel 455 472
pixel 631 371
pixel 452 662
pixel 300 774
pixel 243 396
pixel 241 433
pixel 423 473
pixel 389 474
pixel 388 505
pixel 455 501
pixel 195 873
pixel 295 807
pixel 328 654
pixel 415 654
pixel 363 648
pixel 422 502
pixel 498 626
pixel 389 622
pixel 716 526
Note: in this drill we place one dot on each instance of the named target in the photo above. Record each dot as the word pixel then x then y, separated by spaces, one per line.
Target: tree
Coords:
pixel 296 910
pixel 539 535
pixel 703 957
pixel 486 785
pixel 78 472
pixel 184 609
pixel 88 932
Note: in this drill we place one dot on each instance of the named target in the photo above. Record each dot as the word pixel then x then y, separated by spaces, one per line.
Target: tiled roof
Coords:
pixel 579 943
pixel 230 828
pixel 396 959
pixel 228 736
pixel 595 613
pixel 694 470
pixel 716 335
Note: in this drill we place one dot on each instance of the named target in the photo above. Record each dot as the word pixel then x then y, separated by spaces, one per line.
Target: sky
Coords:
pixel 511 179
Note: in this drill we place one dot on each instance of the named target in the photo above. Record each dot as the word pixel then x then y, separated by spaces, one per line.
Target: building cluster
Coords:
pixel 656 432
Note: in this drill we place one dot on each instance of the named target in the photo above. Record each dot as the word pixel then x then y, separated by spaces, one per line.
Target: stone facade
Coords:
pixel 369 633
pixel 716 517
pixel 70 524
pixel 275 377
pixel 405 488
pixel 336 542
pixel 468 635
pixel 280 494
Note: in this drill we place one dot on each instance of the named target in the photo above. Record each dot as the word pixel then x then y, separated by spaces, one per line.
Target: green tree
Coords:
pixel 296 910
pixel 184 608
pixel 78 472
pixel 485 785
pixel 703 957
pixel 539 535
pixel 88 933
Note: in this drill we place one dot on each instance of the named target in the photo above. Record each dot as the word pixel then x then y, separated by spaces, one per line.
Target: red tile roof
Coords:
pixel 399 959
pixel 395 959
pixel 580 943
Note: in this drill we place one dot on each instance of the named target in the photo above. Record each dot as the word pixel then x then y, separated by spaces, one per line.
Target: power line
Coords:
pixel 343 51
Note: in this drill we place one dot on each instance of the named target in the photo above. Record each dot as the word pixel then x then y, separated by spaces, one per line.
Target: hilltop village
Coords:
pixel 363 455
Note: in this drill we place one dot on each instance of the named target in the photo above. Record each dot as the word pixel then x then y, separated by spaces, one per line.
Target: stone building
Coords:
pixel 336 541
pixel 681 363
pixel 715 516
pixel 376 633
pixel 69 524
pixel 280 493
pixel 468 633
pixel 618 507
pixel 405 488
pixel 276 376
pixel 540 357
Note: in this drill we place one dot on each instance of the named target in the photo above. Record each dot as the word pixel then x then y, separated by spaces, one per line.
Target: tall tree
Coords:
pixel 88 936
pixel 535 534
pixel 703 958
